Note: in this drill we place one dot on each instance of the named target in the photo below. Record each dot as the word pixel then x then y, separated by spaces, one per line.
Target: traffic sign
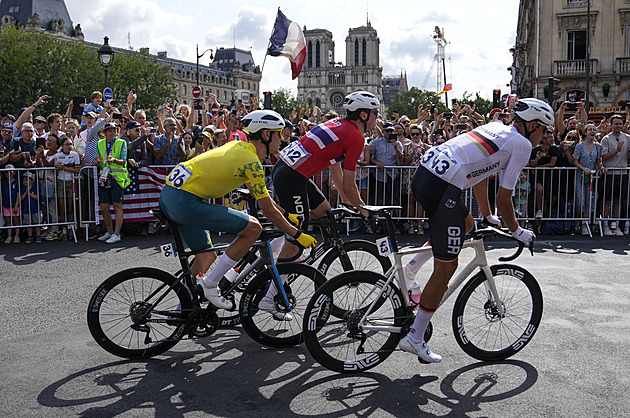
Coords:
pixel 108 94
pixel 196 92
pixel 214 109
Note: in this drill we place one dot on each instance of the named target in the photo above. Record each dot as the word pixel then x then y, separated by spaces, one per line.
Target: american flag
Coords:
pixel 142 194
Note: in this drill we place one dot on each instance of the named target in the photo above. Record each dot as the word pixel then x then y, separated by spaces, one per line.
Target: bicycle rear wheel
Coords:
pixel 479 329
pixel 302 281
pixel 337 343
pixel 362 255
pixel 122 317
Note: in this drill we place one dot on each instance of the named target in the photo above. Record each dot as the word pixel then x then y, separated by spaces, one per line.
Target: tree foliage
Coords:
pixel 407 102
pixel 33 64
pixel 284 101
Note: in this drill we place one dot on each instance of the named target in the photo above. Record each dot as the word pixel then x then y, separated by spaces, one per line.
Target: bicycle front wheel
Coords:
pixel 301 282
pixel 339 343
pixel 361 255
pixel 479 328
pixel 129 313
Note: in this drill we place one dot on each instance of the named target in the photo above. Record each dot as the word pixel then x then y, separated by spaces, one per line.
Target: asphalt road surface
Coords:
pixel 576 365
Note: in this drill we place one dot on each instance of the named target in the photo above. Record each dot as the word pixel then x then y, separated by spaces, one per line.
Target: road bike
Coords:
pixel 142 312
pixel 356 320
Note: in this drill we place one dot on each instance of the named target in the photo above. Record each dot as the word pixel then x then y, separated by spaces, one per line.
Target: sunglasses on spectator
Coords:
pixel 406 122
pixel 415 134
pixel 571 137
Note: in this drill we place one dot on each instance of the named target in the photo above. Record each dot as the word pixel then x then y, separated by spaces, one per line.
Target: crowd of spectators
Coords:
pixel 65 143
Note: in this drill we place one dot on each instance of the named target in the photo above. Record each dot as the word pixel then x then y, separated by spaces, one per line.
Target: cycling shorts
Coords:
pixel 442 202
pixel 195 218
pixel 296 193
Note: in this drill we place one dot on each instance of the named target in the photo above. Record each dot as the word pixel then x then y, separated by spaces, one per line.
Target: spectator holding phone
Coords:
pixel 544 155
pixel 168 149
pixel 47 195
pixel 387 151
pixel 6 142
pixel 615 152
pixel 68 163
pixel 24 147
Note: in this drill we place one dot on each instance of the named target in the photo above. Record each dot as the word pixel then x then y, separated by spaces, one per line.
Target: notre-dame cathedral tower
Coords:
pixel 325 82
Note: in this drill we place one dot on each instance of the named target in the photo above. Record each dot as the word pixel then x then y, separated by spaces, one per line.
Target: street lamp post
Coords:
pixel 197 72
pixel 105 56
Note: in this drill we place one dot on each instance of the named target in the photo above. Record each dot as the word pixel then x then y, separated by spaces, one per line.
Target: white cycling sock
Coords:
pixel 224 264
pixel 419 260
pixel 276 246
pixel 423 317
pixel 273 291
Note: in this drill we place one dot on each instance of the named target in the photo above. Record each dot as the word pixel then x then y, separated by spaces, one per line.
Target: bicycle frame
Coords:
pixel 479 261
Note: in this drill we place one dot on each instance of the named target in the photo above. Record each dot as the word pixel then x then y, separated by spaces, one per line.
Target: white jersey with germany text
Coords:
pixel 471 157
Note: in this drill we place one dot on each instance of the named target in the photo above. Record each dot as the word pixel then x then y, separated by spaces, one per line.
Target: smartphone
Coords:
pixel 572 106
pixel 77 109
pixel 153 131
pixel 448 115
pixel 392 137
pixel 198 104
pixel 113 102
pixel 117 116
pixel 607 115
pixel 16 146
pixel 40 142
pixel 502 115
pixel 461 126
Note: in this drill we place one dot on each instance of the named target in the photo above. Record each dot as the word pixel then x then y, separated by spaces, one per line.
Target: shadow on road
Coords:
pixel 232 376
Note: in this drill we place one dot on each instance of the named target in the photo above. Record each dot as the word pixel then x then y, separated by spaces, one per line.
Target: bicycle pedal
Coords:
pixel 199 292
pixel 224 285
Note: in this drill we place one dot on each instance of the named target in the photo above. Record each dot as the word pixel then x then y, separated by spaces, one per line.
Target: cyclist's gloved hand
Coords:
pixel 524 235
pixel 492 220
pixel 305 240
pixel 293 218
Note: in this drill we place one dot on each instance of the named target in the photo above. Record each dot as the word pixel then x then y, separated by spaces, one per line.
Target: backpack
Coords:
pixel 558 227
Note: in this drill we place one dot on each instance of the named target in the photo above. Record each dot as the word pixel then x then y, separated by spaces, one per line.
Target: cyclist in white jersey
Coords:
pixel 465 161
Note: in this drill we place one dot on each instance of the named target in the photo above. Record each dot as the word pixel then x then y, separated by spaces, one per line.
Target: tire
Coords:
pixel 328 338
pixel 302 282
pixel 124 294
pixel 363 255
pixel 479 330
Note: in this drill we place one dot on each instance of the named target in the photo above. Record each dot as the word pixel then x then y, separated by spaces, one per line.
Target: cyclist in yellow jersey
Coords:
pixel 213 174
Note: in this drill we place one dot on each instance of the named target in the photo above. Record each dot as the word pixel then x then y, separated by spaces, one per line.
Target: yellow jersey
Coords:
pixel 220 170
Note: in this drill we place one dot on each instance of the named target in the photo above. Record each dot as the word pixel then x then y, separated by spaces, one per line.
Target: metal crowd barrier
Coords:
pixel 562 195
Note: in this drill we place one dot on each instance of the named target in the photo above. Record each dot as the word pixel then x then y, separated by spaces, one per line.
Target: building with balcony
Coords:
pixel 551 41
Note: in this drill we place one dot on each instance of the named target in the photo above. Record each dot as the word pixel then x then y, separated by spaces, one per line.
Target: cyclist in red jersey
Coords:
pixel 338 144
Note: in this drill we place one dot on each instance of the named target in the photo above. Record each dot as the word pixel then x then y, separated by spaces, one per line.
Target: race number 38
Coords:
pixel 178 176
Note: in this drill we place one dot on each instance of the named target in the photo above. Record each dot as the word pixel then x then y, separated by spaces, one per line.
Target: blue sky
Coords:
pixel 479 33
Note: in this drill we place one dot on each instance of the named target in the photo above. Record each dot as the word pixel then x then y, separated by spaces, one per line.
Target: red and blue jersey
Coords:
pixel 326 144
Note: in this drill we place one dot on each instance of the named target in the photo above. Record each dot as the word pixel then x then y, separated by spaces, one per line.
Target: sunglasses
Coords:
pixel 572 137
pixel 415 134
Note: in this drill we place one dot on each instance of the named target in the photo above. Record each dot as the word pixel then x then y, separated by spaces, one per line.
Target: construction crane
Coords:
pixel 438 37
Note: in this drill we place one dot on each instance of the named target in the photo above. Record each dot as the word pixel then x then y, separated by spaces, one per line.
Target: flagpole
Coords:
pixel 269 44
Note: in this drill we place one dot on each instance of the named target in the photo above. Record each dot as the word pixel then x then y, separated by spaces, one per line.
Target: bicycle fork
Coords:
pixel 491 290
pixel 276 279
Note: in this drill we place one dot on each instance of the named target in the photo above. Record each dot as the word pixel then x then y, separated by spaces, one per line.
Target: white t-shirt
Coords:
pixel 471 157
pixel 79 145
pixel 69 160
pixel 620 160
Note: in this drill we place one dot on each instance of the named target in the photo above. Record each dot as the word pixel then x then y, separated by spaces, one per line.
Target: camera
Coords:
pixel 46 99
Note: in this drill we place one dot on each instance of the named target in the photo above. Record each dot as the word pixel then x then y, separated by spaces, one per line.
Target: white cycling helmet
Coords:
pixel 360 100
pixel 534 109
pixel 262 119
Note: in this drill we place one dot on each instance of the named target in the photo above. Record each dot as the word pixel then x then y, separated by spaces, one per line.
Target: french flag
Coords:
pixel 287 39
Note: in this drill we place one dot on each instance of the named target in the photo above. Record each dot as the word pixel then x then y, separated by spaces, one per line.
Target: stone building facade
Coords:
pixel 551 41
pixel 231 75
pixel 324 82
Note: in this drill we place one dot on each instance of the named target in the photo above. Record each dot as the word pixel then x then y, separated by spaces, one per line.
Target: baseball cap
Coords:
pixel 90 114
pixel 288 124
pixel 7 127
pixel 109 125
pixel 40 119
pixel 132 124
pixel 29 175
pixel 388 126
pixel 212 128
pixel 11 117
pixel 9 166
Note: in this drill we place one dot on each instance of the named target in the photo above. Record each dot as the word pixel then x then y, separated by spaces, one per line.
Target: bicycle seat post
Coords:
pixel 391 230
